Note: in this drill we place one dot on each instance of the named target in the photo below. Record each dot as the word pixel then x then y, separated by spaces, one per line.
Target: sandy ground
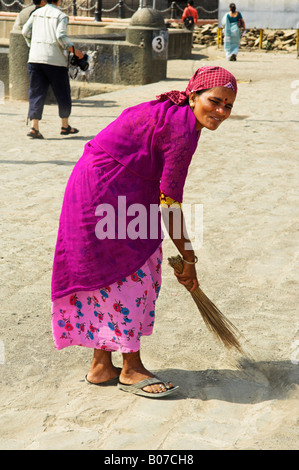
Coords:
pixel 246 176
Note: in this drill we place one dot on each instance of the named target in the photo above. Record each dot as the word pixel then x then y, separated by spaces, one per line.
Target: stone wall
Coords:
pixel 112 9
pixel 132 56
pixel 206 35
pixel 4 70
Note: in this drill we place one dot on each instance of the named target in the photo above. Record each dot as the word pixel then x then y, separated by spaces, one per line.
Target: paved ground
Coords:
pixel 246 177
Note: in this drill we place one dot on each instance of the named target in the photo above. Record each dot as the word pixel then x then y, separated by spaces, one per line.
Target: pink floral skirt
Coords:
pixel 112 318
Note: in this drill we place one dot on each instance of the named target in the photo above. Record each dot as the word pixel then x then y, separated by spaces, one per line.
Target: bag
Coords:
pixel 189 22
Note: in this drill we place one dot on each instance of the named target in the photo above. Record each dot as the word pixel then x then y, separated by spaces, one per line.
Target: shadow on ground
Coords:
pixel 254 382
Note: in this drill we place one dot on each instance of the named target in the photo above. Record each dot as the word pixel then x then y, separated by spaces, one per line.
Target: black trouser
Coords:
pixel 41 76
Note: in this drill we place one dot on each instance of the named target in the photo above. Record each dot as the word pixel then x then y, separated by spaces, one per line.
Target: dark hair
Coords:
pixel 200 92
pixel 190 3
pixel 37 2
pixel 232 7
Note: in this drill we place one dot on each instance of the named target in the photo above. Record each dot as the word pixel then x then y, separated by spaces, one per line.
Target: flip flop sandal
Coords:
pixel 137 388
pixel 35 134
pixel 113 381
pixel 68 130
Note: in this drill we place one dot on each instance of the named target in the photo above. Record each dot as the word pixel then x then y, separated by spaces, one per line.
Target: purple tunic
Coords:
pixel 148 148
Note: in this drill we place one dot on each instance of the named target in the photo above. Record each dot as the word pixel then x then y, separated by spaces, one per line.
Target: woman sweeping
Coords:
pixel 232 22
pixel 107 265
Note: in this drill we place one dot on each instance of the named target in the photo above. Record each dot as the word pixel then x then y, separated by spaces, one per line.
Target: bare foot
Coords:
pixel 101 374
pixel 134 372
pixel 102 368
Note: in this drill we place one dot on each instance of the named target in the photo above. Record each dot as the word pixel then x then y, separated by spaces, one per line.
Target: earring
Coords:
pixel 192 104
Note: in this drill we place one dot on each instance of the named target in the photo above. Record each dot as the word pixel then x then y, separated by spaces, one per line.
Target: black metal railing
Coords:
pixel 121 8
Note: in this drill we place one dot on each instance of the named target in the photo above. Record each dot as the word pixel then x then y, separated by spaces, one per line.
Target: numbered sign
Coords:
pixel 160 44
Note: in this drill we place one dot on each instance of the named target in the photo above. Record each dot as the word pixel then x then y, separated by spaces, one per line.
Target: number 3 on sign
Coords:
pixel 158 44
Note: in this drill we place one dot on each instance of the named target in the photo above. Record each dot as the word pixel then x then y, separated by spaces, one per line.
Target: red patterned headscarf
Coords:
pixel 204 78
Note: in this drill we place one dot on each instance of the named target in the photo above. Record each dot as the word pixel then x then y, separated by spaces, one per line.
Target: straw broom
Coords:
pixel 213 318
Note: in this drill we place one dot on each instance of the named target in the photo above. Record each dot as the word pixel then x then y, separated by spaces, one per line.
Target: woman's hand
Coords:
pixel 188 277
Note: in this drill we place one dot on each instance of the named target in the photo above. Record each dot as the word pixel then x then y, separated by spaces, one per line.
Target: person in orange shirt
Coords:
pixel 190 11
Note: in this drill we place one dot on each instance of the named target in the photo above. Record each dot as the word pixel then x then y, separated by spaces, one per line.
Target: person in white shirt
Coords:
pixel 26 12
pixel 45 34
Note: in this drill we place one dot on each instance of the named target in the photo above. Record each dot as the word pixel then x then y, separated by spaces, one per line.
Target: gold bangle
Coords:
pixel 191 262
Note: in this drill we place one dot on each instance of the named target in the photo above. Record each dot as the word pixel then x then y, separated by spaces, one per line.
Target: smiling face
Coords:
pixel 212 107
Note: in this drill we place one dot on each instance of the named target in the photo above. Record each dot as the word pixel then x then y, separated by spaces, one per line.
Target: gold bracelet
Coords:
pixel 191 262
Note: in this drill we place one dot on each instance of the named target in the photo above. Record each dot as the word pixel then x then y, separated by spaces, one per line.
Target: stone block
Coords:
pixel 179 44
pixel 138 60
pixel 4 72
pixel 18 74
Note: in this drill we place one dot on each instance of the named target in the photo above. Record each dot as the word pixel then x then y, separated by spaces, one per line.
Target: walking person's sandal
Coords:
pixel 34 134
pixel 137 388
pixel 68 130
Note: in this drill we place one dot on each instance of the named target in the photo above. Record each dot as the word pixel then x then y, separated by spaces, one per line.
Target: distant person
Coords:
pixel 45 33
pixel 190 16
pixel 233 23
pixel 25 13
